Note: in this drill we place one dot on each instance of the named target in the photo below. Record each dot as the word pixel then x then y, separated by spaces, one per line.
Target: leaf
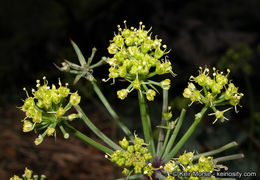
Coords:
pixel 79 54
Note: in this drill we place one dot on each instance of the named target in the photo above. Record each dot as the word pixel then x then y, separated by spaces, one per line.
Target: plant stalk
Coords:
pixel 216 151
pixel 101 135
pixel 161 133
pixel 186 136
pixel 147 129
pixel 111 111
pixel 175 132
pixel 87 139
pixel 229 158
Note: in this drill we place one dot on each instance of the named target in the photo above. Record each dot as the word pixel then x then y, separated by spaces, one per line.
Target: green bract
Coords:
pixel 136 58
pixel 215 91
pixel 46 109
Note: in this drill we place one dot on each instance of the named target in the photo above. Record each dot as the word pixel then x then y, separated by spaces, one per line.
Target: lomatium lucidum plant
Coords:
pixel 136 57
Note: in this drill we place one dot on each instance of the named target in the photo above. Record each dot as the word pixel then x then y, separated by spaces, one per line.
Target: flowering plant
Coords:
pixel 137 57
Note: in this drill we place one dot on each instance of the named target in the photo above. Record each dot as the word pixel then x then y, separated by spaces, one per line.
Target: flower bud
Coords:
pixel 27 126
pixel 166 84
pixel 170 167
pixel 63 91
pixel 28 173
pixel 122 94
pixel 186 158
pixel 38 140
pixel 150 94
pixel 50 131
pixel 72 116
pixel 112 49
pixel 60 112
pixel 124 143
pixel 75 98
pixel 136 84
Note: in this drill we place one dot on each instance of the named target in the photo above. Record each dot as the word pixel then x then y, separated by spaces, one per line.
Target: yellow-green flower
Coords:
pixel 136 57
pixel 47 108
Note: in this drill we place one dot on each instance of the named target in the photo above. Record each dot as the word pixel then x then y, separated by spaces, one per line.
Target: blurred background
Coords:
pixel 34 34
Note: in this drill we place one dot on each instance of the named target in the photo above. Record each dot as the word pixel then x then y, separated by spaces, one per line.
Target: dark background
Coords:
pixel 35 33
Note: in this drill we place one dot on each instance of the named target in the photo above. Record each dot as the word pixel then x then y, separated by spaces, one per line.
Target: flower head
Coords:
pixel 215 90
pixel 135 156
pixel 136 58
pixel 46 109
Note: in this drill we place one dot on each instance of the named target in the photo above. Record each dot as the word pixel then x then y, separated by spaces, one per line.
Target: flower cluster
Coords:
pixel 214 91
pixel 27 176
pixel 134 157
pixel 136 58
pixel 185 163
pixel 46 110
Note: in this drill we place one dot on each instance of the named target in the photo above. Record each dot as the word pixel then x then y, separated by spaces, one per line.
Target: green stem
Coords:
pixel 229 158
pixel 186 136
pixel 165 142
pixel 111 111
pixel 161 133
pixel 95 129
pixel 216 151
pixel 65 134
pixel 160 176
pixel 133 177
pixel 99 63
pixel 87 139
pixel 146 123
pixel 175 133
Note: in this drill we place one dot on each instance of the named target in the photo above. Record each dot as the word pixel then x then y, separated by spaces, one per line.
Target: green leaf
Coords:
pixel 79 54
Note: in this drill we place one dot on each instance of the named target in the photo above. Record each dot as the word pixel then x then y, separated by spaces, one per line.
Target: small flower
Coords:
pixel 122 94
pixel 186 158
pixel 75 98
pixel 219 115
pixel 72 116
pixel 170 167
pixel 27 126
pixel 50 131
pixel 124 143
pixel 166 84
pixel 150 94
pixel 28 173
pixel 38 140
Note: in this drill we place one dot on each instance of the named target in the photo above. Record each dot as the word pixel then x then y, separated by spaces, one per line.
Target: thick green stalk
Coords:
pixel 147 129
pixel 111 111
pixel 175 133
pixel 95 129
pixel 229 158
pixel 186 136
pixel 216 151
pixel 161 133
pixel 87 139
pixel 165 142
